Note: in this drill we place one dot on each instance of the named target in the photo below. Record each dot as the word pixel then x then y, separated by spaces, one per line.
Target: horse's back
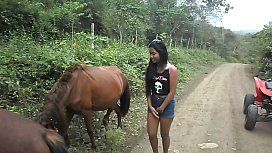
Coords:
pixel 107 75
pixel 98 88
pixel 101 71
pixel 108 80
pixel 18 134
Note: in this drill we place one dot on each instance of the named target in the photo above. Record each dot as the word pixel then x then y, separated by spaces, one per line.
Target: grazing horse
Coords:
pixel 18 134
pixel 81 90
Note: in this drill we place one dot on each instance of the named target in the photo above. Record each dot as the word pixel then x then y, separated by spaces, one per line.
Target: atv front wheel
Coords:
pixel 249 99
pixel 251 117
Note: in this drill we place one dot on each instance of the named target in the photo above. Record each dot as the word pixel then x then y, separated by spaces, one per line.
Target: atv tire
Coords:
pixel 249 99
pixel 251 117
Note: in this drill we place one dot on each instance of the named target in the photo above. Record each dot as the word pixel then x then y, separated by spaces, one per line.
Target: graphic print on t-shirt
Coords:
pixel 159 83
pixel 158 86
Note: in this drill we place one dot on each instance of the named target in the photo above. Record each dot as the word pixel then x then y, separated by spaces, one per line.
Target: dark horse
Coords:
pixel 18 134
pixel 81 90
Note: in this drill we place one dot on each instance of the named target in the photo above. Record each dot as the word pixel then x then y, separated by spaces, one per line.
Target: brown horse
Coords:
pixel 81 90
pixel 18 134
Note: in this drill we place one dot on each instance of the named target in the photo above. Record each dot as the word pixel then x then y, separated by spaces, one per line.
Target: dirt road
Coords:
pixel 211 112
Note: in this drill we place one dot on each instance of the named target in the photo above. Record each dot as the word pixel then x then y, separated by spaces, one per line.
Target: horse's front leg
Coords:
pixel 64 131
pixel 107 118
pixel 62 126
pixel 88 122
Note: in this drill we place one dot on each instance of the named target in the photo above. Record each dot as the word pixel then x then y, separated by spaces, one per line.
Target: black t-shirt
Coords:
pixel 161 82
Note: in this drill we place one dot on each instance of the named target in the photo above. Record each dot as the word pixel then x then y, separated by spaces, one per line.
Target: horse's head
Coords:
pixel 47 118
pixel 46 121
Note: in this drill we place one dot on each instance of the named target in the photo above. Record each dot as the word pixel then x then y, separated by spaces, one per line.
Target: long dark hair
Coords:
pixel 151 70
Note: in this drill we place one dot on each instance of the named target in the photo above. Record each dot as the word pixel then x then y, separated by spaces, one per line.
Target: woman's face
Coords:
pixel 154 55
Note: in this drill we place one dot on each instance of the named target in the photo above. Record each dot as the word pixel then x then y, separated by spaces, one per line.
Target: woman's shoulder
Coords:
pixel 171 66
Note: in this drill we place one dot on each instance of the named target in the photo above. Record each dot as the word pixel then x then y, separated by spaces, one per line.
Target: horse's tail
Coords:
pixel 55 142
pixel 125 100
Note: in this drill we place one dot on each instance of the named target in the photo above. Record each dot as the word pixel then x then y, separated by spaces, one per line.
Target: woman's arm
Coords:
pixel 152 109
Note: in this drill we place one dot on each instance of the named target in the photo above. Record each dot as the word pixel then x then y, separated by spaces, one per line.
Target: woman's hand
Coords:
pixel 154 112
pixel 160 110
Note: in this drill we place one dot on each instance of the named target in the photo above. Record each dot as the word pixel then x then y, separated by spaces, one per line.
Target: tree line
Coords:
pixel 184 23
pixel 180 22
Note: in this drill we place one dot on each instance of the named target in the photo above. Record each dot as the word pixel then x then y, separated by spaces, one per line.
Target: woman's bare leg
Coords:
pixel 152 130
pixel 165 124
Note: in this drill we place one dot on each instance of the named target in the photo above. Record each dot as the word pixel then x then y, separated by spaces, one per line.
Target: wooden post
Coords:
pixel 92 36
pixel 170 44
pixel 181 41
pixel 188 42
pixel 136 38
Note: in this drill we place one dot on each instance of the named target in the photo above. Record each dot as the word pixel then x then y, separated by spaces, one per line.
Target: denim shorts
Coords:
pixel 169 111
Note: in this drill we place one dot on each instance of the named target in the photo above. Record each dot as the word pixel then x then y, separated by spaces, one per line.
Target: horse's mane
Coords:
pixel 59 89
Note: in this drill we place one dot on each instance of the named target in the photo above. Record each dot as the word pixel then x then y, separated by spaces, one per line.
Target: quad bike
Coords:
pixel 262 101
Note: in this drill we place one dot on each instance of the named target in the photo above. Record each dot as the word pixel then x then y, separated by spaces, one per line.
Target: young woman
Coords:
pixel 161 81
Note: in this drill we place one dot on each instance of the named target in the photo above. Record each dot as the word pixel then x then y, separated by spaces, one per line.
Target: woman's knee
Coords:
pixel 165 136
pixel 152 135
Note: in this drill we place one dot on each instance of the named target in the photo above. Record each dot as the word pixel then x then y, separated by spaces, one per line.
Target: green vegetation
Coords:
pixel 261 53
pixel 39 39
pixel 29 69
pixel 256 49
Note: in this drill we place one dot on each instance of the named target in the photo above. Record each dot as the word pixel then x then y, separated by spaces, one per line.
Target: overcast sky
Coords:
pixel 248 15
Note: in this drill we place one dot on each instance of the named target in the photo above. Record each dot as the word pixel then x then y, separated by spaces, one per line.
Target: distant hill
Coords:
pixel 244 32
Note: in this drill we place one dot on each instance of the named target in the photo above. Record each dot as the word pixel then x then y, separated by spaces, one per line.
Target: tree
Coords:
pixel 123 18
